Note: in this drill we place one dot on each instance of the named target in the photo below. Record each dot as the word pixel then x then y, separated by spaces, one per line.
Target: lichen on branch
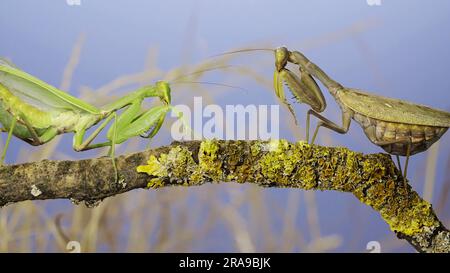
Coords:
pixel 373 179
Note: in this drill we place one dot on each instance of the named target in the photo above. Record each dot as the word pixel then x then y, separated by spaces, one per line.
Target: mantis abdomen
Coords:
pixel 394 137
pixel 18 109
pixel 29 123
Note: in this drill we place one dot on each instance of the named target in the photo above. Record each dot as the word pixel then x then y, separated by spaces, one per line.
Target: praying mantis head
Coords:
pixel 163 91
pixel 304 88
pixel 281 57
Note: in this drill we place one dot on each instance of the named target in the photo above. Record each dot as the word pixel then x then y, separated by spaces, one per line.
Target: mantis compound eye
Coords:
pixel 281 57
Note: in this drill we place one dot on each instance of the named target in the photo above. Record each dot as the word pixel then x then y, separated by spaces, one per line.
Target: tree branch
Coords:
pixel 373 179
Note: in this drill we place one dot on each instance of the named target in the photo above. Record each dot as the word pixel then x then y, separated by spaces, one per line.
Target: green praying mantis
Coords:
pixel 36 112
pixel 399 127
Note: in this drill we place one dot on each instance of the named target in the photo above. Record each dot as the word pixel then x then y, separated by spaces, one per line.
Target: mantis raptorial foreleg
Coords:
pixel 151 133
pixel 150 120
pixel 126 117
pixel 346 120
pixel 80 145
pixel 279 92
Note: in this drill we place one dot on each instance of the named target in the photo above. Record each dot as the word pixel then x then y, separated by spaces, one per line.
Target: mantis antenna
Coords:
pixel 242 50
pixel 211 83
pixel 201 71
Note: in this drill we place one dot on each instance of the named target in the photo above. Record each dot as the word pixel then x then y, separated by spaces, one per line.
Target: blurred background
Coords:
pixel 99 50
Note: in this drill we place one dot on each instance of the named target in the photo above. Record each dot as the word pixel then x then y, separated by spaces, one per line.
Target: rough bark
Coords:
pixel 373 179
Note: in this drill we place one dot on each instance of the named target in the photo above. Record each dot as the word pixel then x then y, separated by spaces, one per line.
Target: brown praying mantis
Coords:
pixel 399 127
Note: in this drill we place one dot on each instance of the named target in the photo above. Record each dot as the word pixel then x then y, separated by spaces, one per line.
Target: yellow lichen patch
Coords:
pixel 308 178
pixel 405 213
pixel 374 188
pixel 154 167
pixel 209 148
pixel 273 164
pixel 411 219
pixel 177 163
pixel 378 194
pixel 236 164
pixel 180 162
pixel 209 163
pixel 340 159
pixel 325 170
pixel 287 164
pixel 373 170
pixel 255 148
pixel 155 183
